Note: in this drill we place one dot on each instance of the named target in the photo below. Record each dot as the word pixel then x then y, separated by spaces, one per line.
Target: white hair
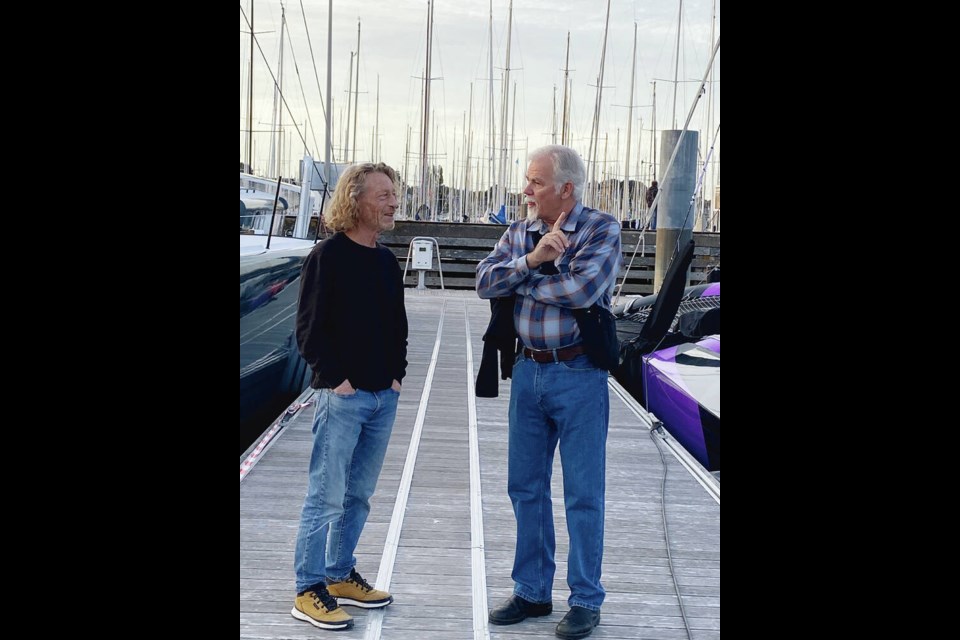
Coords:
pixel 567 167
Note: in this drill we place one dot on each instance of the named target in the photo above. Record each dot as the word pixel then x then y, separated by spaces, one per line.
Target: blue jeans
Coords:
pixel 350 436
pixel 565 402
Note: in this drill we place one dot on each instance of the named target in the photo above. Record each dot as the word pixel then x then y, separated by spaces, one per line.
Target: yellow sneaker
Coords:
pixel 358 592
pixel 319 608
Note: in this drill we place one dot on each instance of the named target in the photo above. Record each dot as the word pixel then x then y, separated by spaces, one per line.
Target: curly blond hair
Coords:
pixel 344 211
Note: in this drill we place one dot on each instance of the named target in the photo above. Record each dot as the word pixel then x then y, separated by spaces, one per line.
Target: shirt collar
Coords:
pixel 570 225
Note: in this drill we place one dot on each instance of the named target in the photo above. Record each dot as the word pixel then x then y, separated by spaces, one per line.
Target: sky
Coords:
pixel 393 47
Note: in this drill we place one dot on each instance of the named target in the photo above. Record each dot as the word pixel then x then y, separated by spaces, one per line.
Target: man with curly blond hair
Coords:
pixel 352 331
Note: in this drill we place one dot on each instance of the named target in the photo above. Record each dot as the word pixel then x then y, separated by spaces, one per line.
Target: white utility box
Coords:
pixel 422 248
pixel 422 254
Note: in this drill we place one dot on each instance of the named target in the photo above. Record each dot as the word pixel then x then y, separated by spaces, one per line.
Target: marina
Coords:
pixel 454 97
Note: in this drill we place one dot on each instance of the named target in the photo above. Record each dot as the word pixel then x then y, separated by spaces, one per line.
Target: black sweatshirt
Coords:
pixel 351 322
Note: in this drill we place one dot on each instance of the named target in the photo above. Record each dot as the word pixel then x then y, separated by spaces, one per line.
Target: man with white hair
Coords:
pixel 564 256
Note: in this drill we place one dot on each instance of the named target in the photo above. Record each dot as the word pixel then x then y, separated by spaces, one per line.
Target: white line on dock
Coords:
pixel 389 557
pixel 477 562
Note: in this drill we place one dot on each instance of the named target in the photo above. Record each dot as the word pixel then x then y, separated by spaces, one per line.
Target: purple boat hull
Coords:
pixel 683 391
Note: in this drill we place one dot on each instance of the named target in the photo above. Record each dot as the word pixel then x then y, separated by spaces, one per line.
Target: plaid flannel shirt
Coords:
pixel 587 273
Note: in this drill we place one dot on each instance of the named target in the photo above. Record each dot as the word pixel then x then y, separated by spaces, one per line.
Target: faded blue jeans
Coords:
pixel 350 436
pixel 566 402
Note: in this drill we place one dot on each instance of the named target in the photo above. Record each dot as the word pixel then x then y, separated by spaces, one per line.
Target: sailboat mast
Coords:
pixel 513 138
pixel 553 113
pixel 277 150
pixel 356 96
pixel 280 147
pixel 329 145
pixel 250 98
pixel 271 158
pixel 565 133
pixel 346 121
pixel 595 135
pixel 501 182
pixel 713 174
pixel 636 196
pixel 493 132
pixel 615 173
pixel 653 133
pixel 434 174
pixel 376 126
pixel 425 133
pixel 624 204
pixel 466 167
pixel 406 173
pixel 606 185
pixel 676 66
pixel 466 177
pixel 453 171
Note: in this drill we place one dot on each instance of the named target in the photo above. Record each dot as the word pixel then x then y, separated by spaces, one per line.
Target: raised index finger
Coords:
pixel 560 221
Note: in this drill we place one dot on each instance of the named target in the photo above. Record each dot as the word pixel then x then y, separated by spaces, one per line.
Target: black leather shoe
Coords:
pixel 578 623
pixel 516 609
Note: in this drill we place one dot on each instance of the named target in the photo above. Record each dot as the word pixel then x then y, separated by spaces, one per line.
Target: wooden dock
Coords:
pixel 441 531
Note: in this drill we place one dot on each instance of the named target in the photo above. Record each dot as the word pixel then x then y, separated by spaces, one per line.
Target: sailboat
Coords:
pixel 670 358
pixel 670 341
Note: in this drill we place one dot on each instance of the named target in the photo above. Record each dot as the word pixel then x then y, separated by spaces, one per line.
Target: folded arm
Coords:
pixel 592 270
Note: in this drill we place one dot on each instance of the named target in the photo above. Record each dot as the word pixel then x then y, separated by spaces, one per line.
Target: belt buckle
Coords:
pixel 536 354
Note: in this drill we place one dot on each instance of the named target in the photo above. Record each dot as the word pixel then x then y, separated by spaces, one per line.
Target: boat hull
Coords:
pixel 683 392
pixel 272 373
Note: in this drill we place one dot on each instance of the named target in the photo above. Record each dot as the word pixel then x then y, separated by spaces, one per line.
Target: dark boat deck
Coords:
pixel 441 531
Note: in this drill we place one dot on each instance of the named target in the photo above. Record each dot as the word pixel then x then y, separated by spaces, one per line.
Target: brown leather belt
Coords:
pixel 554 355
